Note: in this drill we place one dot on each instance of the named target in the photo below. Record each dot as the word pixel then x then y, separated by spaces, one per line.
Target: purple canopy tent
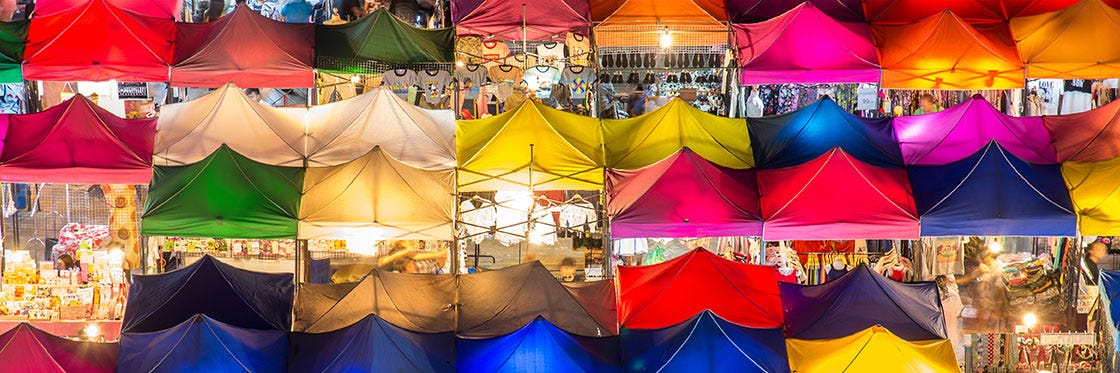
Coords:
pixel 752 11
pixel 960 131
pixel 520 20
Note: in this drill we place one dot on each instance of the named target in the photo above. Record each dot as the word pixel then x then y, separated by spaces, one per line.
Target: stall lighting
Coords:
pixel 355 79
pixel 362 245
pixel 459 63
pixel 666 40
pixel 1030 320
pixel 995 246
pixel 91 331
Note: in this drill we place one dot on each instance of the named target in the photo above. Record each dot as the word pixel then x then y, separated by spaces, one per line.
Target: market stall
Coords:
pixel 203 343
pixel 642 141
pixel 798 137
pixel 26 348
pixel 371 344
pixel 873 349
pixel 1070 42
pixel 538 344
pixel 704 343
pixel 955 133
pixel 504 20
pixel 393 297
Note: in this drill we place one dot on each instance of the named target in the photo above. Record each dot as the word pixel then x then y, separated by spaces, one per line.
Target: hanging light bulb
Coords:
pixel 995 246
pixel 666 40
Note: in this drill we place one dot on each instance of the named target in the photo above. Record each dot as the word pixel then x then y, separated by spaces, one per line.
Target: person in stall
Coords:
pixel 255 95
pixel 927 104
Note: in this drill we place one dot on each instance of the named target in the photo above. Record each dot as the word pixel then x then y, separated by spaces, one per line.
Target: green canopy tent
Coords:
pixel 225 195
pixel 13 39
pixel 379 37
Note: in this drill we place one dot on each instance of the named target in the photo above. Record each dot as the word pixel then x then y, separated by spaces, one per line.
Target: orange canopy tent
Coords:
pixel 1079 42
pixel 644 22
pixel 945 52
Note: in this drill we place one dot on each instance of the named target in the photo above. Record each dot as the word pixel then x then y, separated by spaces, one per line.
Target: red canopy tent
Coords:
pixel 25 348
pixel 170 9
pixel 245 48
pixel 76 142
pixel 98 41
pixel 669 293
pixel 1089 136
pixel 973 11
pixel 518 20
pixel 837 197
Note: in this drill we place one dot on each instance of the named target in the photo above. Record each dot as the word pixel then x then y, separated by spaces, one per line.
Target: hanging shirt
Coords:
pixel 433 82
pixel 494 50
pixel 471 78
pixel 551 53
pixel 541 79
pixel 579 49
pixel 399 80
pixel 631 246
pixel 297 11
pixel 506 76
pixel 578 79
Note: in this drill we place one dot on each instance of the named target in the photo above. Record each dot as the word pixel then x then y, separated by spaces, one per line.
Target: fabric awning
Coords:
pixel 754 11
pixel 795 138
pixel 1094 190
pixel 959 131
pixel 978 12
pixel 379 37
pixel 514 20
pixel 537 345
pixel 13 43
pixel 372 345
pixel 869 351
pixel 1088 136
pixel 204 344
pixel 328 307
pixel 644 140
pixel 169 9
pixel 1072 43
pixel 704 343
pixel 26 348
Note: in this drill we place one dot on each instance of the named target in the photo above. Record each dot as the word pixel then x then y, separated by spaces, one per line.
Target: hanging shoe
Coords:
pixel 620 61
pixel 698 60
pixel 633 79
pixel 686 78
pixel 617 78
pixel 650 61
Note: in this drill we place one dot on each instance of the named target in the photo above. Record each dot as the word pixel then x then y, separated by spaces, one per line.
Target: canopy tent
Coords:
pixel 379 37
pixel 872 350
pixel 204 344
pixel 264 53
pixel 225 195
pixel 643 23
pixel 98 41
pixel 170 9
pixel 238 297
pixel 539 346
pixel 600 299
pixel 800 202
pixel 1088 136
pixel 805 45
pixel 972 11
pixel 955 133
pixel 191 131
pixel 754 11
pixel 391 296
pixel 704 343
pixel 993 193
pixel 371 345
pixel 512 20
pixel 942 51
pixel 1071 43
pixel 76 142
pixel 531 144
pixel 499 302
pixel 13 41
pixel 683 196
pixel 26 348
pixel 647 139
pixel 345 130
pixel 674 291
pixel 607 11
pixel 1110 295
pixel 861 299
pixel 1095 194
pixel 797 137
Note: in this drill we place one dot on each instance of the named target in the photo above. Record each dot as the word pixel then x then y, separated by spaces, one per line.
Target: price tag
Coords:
pixel 868 99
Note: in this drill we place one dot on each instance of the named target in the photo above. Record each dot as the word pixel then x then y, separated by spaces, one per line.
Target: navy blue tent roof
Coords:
pixel 859 300
pixel 704 343
pixel 538 347
pixel 231 295
pixel 202 344
pixel 993 193
pixel 372 345
pixel 1110 303
pixel 794 138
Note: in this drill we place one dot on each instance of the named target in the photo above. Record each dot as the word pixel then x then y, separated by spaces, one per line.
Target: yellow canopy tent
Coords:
pixel 530 145
pixel 639 142
pixel 874 349
pixel 1079 42
pixel 377 197
pixel 1096 195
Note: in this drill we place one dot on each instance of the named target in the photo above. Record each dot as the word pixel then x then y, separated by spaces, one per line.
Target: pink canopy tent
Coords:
pixel 805 45
pixel 837 197
pixel 683 196
pixel 504 20
pixel 1089 136
pixel 76 142
pixel 26 348
pixel 972 11
pixel 264 53
pixel 170 9
pixel 751 11
pixel 958 132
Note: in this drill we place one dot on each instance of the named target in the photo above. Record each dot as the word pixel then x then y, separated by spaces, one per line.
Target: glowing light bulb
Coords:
pixel 1030 320
pixel 666 40
pixel 995 246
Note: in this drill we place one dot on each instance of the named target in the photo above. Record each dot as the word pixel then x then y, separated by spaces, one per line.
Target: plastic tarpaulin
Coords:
pixel 704 343
pixel 1088 136
pixel 380 37
pixel 371 345
pixel 76 142
pixel 957 132
pixel 600 299
pixel 25 348
pixel 674 291
pixel 264 53
pixel 795 138
pixel 391 296
pixel 872 350
pixel 805 45
pixel 644 140
pixel 504 20
pixel 992 193
pixel 345 130
pixel 683 196
pixel 754 11
pixel 1071 43
pixel 235 296
pixel 942 51
pixel 656 10
pixel 190 131
pixel 13 41
pixel 980 12
pixel 98 41
pixel 1110 296
pixel 538 347
pixel 1095 194
pixel 225 195
pixel 499 302
pixel 377 197
pixel 531 143
pixel 151 8
pixel 800 202
pixel 204 344
pixel 859 300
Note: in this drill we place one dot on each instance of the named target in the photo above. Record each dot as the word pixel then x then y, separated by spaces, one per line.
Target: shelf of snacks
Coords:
pixel 94 288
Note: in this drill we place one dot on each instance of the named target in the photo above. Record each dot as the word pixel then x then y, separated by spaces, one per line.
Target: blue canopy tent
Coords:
pixel 203 344
pixel 1110 296
pixel 859 300
pixel 208 287
pixel 538 347
pixel 794 138
pixel 993 193
pixel 371 345
pixel 704 343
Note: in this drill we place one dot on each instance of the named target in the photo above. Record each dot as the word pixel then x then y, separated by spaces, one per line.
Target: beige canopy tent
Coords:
pixel 420 303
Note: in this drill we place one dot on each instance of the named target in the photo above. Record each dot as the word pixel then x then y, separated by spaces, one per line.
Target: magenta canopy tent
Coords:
pixel 805 45
pixel 752 11
pixel 518 20
pixel 683 196
pixel 958 132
